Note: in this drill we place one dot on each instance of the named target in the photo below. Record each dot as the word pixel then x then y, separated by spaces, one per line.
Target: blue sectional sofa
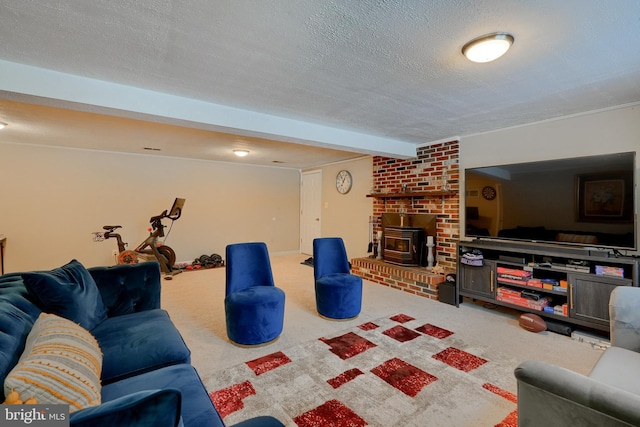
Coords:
pixel 146 378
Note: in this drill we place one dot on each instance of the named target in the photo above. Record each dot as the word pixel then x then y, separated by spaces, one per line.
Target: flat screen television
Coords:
pixel 582 201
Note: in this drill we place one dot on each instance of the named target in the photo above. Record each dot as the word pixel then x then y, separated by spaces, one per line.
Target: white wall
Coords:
pixel 51 199
pixel 611 131
pixel 347 215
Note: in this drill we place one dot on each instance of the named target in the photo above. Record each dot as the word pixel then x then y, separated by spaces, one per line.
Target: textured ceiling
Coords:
pixel 381 72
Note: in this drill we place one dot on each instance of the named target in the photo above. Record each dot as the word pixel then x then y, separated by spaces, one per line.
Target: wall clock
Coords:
pixel 344 181
pixel 489 192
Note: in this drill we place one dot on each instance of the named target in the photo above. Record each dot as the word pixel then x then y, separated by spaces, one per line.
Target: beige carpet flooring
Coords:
pixel 194 301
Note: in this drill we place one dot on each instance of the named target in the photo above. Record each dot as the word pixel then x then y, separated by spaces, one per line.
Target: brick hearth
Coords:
pixel 414 280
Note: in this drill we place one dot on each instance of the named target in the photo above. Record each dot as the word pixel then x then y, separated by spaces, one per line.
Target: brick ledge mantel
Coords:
pixel 414 280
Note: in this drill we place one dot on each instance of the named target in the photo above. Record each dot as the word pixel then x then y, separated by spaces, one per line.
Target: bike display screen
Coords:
pixel 176 209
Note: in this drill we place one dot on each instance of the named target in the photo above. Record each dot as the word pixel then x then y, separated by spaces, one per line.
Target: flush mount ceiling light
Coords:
pixel 3 125
pixel 487 48
pixel 241 153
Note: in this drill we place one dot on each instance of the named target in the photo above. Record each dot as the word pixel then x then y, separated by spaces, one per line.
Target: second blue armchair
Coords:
pixel 338 292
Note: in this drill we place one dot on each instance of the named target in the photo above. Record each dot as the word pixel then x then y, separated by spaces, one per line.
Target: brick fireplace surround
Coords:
pixel 434 167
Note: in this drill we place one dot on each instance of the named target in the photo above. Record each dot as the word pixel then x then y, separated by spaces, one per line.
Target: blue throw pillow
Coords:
pixel 68 291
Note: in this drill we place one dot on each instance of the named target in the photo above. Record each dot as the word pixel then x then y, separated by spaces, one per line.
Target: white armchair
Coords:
pixel 550 396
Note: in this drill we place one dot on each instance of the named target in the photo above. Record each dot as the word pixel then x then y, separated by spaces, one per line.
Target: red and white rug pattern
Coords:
pixel 394 371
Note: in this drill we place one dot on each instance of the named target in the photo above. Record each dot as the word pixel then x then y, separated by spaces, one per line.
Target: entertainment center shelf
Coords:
pixel 559 283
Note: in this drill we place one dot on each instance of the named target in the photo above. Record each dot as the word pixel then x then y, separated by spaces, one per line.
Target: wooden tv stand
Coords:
pixel 569 277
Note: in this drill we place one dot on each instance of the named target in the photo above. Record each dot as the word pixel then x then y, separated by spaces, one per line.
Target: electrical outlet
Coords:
pixel 114 252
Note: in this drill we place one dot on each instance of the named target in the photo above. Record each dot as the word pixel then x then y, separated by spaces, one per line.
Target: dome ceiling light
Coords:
pixel 241 153
pixel 487 48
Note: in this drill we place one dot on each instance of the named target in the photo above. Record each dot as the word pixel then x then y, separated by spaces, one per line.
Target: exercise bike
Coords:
pixel 150 246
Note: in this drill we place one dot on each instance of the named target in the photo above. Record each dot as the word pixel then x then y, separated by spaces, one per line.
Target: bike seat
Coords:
pixel 111 227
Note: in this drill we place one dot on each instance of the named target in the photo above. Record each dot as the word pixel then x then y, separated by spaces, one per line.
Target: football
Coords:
pixel 532 322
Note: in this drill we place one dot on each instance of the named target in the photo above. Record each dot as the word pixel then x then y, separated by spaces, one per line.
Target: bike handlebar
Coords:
pixel 158 217
pixel 173 218
pixel 165 215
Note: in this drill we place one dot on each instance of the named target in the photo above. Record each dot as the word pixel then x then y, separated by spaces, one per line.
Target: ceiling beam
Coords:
pixel 38 85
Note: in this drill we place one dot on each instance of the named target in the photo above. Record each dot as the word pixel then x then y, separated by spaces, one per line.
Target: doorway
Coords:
pixel 310 210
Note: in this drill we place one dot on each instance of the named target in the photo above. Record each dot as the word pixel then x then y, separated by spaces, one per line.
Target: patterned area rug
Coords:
pixel 394 371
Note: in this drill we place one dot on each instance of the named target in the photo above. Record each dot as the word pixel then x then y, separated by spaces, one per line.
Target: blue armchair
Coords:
pixel 338 292
pixel 254 307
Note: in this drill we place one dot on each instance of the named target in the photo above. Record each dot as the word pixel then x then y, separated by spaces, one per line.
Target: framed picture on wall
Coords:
pixel 604 197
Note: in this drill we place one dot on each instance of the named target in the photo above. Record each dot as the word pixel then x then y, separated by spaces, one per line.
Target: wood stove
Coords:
pixel 405 236
pixel 405 246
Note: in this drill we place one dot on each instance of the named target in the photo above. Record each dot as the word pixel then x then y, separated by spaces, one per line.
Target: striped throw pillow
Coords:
pixel 61 364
